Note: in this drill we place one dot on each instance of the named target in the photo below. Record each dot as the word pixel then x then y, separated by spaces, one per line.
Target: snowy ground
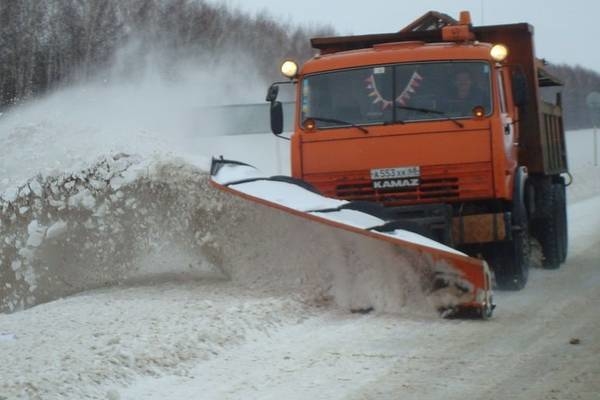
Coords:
pixel 213 331
pixel 212 339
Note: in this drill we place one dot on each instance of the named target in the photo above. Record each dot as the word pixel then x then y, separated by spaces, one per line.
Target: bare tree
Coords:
pixel 47 43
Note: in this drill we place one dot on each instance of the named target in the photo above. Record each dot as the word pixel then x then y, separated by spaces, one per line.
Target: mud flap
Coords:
pixel 451 281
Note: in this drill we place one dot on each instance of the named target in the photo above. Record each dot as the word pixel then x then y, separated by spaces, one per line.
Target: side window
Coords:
pixel 503 104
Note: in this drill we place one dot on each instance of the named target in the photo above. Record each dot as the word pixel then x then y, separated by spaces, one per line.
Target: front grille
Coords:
pixel 434 189
pixel 437 184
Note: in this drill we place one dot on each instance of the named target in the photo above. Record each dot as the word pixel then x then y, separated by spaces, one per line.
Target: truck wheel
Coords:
pixel 564 225
pixel 511 258
pixel 553 227
pixel 511 262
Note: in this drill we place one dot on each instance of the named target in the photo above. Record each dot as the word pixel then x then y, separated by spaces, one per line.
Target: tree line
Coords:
pixel 54 42
pixel 579 82
pixel 44 44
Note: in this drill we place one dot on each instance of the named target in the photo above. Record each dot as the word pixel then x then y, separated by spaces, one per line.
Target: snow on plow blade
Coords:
pixel 449 280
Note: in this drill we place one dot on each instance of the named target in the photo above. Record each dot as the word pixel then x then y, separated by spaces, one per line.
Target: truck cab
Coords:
pixel 419 142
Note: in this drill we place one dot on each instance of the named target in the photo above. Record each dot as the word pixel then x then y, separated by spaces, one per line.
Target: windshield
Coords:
pixel 396 93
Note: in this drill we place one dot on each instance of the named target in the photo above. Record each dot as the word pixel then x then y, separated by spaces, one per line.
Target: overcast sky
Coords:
pixel 566 31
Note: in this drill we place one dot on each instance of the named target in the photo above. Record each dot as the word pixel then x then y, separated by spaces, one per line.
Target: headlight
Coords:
pixel 289 69
pixel 499 52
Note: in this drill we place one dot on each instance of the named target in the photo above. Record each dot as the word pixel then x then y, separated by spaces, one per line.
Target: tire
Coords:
pixel 552 228
pixel 564 223
pixel 510 261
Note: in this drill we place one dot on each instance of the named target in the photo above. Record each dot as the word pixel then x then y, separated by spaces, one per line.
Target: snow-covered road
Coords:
pixel 523 353
pixel 211 339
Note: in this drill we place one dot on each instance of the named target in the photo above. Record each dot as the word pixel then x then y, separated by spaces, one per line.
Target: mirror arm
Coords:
pixel 273 90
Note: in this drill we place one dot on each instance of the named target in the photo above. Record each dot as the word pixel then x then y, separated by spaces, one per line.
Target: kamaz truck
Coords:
pixel 440 128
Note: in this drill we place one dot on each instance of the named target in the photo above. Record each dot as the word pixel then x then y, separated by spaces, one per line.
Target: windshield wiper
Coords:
pixel 338 121
pixel 430 111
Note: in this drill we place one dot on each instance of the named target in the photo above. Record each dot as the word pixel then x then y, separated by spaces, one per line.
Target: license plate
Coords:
pixel 395 173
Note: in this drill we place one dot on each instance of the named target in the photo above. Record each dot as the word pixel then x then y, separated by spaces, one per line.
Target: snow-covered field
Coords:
pixel 140 304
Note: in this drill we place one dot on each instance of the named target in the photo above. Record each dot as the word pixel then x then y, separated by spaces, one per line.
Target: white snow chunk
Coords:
pixel 15 265
pixel 133 172
pixel 36 233
pixel 10 194
pixel 288 195
pixel 98 184
pixel 233 173
pixel 26 253
pixel 422 240
pixel 101 211
pixel 352 217
pixel 56 229
pixel 36 188
pixel 6 337
pixel 83 199
pixel 56 203
pixel 117 182
pixel 24 191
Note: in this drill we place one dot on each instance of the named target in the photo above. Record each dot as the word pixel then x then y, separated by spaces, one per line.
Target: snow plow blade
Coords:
pixel 452 282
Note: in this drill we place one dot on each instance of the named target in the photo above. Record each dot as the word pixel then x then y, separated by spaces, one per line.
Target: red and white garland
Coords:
pixel 374 92
pixel 413 83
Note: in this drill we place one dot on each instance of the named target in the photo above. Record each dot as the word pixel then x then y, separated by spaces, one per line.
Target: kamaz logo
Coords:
pixel 396 183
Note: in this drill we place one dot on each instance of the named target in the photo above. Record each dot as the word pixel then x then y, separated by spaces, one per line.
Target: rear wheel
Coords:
pixel 565 225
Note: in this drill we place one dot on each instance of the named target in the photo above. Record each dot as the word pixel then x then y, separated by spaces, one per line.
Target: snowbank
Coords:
pixel 68 233
pixel 127 219
pixel 91 345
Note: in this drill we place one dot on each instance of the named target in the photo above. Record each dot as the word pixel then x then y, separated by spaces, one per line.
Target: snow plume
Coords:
pixel 128 220
pixel 150 100
pixel 64 234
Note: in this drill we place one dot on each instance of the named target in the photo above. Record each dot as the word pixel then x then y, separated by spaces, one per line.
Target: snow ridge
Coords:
pixel 129 220
pixel 105 218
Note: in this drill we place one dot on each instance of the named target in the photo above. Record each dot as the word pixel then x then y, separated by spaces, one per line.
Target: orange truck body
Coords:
pixel 475 164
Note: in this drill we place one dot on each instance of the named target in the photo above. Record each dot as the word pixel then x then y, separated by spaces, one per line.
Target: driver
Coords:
pixel 464 94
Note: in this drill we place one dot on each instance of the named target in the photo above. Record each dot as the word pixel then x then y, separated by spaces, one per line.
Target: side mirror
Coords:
pixel 276 117
pixel 272 93
pixel 519 87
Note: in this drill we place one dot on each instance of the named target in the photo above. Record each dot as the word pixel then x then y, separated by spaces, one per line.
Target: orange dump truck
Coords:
pixel 443 123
